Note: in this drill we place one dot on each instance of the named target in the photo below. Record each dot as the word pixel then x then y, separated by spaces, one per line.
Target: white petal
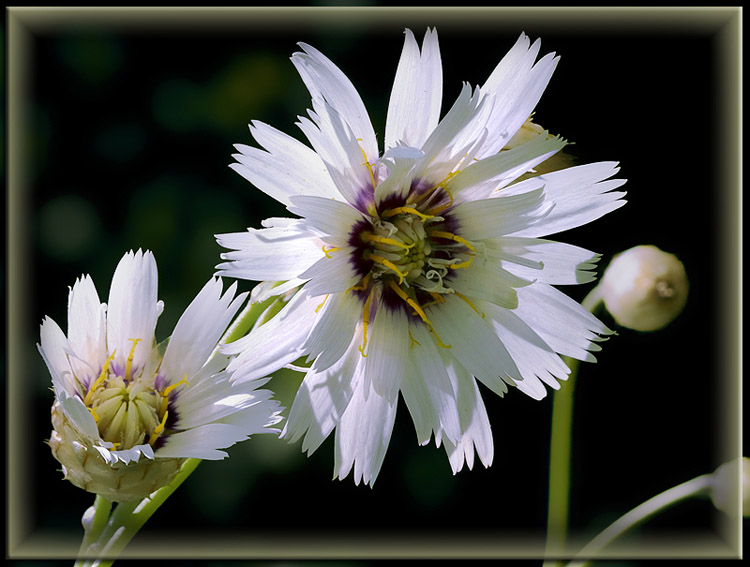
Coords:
pixel 556 263
pixel 428 391
pixel 444 148
pixel 199 329
pixel 54 347
pixel 287 168
pixel 535 359
pixel 480 179
pixel 86 328
pixel 321 400
pixel 475 425
pixel 324 80
pixel 276 343
pixel 221 398
pixel 329 217
pixel 507 214
pixel 386 351
pixel 133 309
pixel 473 343
pixel 79 415
pixel 334 329
pixel 486 279
pixel 414 107
pixel 517 85
pixel 202 442
pixel 561 322
pixel 400 163
pixel 580 195
pixel 276 253
pixel 334 273
pixel 363 434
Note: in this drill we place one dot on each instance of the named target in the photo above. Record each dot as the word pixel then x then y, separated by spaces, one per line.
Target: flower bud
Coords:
pixel 724 488
pixel 644 288
pixel 86 468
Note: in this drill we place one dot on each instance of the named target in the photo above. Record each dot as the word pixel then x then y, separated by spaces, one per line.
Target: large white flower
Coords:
pixel 127 411
pixel 421 269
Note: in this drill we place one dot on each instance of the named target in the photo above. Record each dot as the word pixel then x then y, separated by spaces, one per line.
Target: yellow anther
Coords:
pixel 454 237
pixel 99 380
pixel 167 391
pixel 94 415
pixel 369 237
pixel 159 429
pixel 129 363
pixel 462 264
pixel 409 210
pixel 365 323
pixel 362 284
pixel 414 305
pixel 390 265
pixel 466 299
pixel 331 249
pixel 323 303
pixel 367 164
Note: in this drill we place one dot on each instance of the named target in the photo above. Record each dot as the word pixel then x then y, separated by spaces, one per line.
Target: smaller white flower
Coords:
pixel 127 411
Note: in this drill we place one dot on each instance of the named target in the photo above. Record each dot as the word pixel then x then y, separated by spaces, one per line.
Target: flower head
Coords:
pixel 421 269
pixel 128 411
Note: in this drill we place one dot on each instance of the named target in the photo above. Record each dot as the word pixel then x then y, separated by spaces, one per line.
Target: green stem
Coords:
pixel 105 534
pixel 128 517
pixel 698 486
pixel 560 453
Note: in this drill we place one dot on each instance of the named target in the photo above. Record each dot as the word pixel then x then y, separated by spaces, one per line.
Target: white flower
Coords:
pixel 421 269
pixel 128 411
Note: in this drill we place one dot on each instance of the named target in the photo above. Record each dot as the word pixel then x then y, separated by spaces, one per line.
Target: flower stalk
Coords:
pixel 561 449
pixel 699 486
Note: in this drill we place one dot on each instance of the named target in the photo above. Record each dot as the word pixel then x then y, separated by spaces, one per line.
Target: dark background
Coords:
pixel 131 132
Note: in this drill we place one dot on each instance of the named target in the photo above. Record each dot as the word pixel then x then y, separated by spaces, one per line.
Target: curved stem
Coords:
pixel 696 487
pixel 560 452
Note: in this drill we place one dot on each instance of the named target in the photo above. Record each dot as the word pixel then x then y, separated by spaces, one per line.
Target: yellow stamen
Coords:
pixel 427 193
pixel 99 380
pixel 365 323
pixel 362 284
pixel 414 305
pixel 368 164
pixel 368 237
pixel 331 249
pixel 388 264
pixel 462 264
pixel 167 391
pixel 437 298
pixel 94 415
pixel 323 303
pixel 454 237
pixel 159 429
pixel 466 299
pixel 410 210
pixel 129 363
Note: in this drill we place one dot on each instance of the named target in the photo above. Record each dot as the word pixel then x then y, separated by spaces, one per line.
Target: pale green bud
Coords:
pixel 86 468
pixel 644 288
pixel 724 489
